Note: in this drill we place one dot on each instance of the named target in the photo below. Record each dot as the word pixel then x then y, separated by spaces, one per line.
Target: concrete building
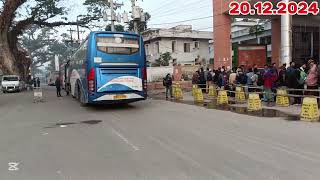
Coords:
pixel 187 46
pixel 294 38
pixel 240 33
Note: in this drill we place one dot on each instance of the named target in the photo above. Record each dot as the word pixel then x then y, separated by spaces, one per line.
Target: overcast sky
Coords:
pixel 162 11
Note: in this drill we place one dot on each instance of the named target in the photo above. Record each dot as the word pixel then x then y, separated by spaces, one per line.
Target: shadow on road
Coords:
pixel 110 107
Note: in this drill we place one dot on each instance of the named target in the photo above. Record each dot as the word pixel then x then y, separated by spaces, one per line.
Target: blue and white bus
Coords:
pixel 108 68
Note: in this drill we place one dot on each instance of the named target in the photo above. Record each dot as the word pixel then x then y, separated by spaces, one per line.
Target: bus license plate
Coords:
pixel 120 97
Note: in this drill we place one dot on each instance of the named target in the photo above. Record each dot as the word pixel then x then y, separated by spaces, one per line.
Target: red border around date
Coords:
pixel 268 8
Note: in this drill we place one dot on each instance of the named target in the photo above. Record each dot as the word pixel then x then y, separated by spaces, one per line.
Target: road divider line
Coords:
pixel 135 148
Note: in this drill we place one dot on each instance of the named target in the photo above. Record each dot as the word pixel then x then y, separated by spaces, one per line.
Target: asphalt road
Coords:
pixel 151 140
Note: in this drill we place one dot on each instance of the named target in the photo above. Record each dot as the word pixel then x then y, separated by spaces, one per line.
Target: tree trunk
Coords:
pixel 7 59
pixel 6 56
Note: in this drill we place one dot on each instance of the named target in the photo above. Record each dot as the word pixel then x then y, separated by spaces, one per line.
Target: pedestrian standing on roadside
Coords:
pixel 241 78
pixel 195 78
pixel 275 69
pixel 312 78
pixel 222 79
pixel 282 76
pixel 255 78
pixel 38 82
pixel 34 81
pixel 216 76
pixel 292 80
pixel 58 87
pixel 232 78
pixel 269 78
pixel 202 79
pixel 209 80
pixel 233 81
pixel 301 81
pixel 168 83
pixel 249 82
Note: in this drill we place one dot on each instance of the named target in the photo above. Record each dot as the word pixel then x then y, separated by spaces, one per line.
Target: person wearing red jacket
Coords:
pixel 269 78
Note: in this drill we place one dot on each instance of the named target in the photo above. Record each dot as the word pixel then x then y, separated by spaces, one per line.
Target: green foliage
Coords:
pixel 41 48
pixel 164 59
pixel 118 28
pixel 256 30
pixel 141 25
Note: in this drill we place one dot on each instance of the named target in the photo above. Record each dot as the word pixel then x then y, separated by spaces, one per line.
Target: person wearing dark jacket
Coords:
pixel 292 80
pixel 34 81
pixel 195 78
pixel 38 82
pixel 241 78
pixel 223 80
pixel 168 83
pixel 282 76
pixel 58 87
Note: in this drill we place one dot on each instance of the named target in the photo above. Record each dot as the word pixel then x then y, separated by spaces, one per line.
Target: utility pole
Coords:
pixel 135 22
pixel 112 15
pixel 71 31
pixel 78 31
pixel 114 6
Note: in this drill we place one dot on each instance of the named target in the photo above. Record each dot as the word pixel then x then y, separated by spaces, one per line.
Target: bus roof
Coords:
pixel 110 32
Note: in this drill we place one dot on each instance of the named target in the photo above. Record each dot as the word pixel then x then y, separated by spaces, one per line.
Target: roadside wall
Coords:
pixel 156 74
pixel 159 85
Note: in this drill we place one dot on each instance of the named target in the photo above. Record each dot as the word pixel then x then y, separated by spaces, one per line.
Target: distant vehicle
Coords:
pixel 109 67
pixel 52 77
pixel 11 83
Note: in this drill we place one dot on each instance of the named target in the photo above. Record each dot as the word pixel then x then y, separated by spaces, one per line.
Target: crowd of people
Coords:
pixel 297 78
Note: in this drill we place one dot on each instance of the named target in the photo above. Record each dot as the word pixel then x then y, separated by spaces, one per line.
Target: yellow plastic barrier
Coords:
pixel 310 111
pixel 198 96
pixel 254 102
pixel 178 93
pixel 240 95
pixel 194 88
pixel 174 90
pixel 223 98
pixel 213 92
pixel 282 98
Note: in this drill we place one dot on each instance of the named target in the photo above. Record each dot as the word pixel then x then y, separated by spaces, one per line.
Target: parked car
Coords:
pixel 11 83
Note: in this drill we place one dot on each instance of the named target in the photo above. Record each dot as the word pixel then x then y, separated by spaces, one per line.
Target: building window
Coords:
pixel 186 47
pixel 174 62
pixel 147 49
pixel 157 47
pixel 196 45
pixel 173 46
pixel 268 40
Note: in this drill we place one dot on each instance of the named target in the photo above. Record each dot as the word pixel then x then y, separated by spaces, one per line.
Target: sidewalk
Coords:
pixel 293 110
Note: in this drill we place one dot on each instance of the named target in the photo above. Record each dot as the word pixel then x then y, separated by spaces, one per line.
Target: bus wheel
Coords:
pixel 78 95
pixel 81 98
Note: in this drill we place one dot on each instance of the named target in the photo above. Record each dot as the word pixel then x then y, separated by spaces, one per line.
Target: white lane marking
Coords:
pixel 13 166
pixel 135 148
pixel 187 158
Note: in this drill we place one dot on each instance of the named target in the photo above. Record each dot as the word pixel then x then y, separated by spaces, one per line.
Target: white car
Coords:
pixel 10 83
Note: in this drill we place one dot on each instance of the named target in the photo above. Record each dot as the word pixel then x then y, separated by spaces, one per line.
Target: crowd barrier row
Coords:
pixel 309 109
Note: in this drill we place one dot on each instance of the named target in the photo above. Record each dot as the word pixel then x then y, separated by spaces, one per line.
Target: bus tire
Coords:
pixel 81 97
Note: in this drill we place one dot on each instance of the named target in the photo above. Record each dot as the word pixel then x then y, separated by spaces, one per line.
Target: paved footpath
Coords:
pixel 150 140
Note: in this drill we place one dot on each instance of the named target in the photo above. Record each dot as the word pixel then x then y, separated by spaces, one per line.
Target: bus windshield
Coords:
pixel 117 45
